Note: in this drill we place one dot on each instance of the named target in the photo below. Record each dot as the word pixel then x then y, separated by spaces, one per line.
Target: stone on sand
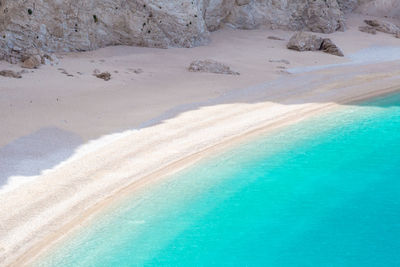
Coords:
pixel 103 75
pixel 10 74
pixel 383 26
pixel 33 62
pixel 367 29
pixel 302 41
pixel 329 47
pixel 211 66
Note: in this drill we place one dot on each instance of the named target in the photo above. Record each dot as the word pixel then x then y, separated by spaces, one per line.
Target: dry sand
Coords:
pixel 52 177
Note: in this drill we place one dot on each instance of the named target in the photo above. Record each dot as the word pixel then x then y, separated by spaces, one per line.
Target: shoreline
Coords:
pixel 154 123
pixel 85 219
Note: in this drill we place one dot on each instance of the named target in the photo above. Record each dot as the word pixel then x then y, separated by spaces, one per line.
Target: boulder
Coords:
pixel 302 41
pixel 211 66
pixel 329 47
pixel 347 6
pixel 33 62
pixel 383 26
pixel 324 16
pixel 10 74
pixel 216 12
pixel 367 29
pixel 48 59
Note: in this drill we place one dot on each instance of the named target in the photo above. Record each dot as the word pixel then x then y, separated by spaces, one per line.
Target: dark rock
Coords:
pixel 33 62
pixel 367 29
pixel 302 41
pixel 329 47
pixel 383 26
pixel 104 75
pixel 10 74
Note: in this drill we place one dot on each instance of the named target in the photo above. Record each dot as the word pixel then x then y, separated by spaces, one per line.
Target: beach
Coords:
pixel 109 137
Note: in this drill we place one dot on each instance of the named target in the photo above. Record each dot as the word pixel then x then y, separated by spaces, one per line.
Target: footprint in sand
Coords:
pixel 63 71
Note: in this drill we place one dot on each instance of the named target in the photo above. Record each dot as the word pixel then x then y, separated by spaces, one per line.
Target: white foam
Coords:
pixel 14 182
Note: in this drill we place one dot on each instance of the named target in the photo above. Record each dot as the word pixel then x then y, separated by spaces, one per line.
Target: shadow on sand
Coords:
pixel 30 155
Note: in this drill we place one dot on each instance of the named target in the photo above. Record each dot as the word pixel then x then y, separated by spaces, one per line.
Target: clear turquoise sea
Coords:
pixel 322 192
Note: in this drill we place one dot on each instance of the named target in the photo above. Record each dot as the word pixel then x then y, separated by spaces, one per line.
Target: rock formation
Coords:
pixel 31 27
pixel 28 27
pixel 379 8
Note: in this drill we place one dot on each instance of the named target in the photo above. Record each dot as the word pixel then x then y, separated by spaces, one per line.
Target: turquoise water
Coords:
pixel 323 192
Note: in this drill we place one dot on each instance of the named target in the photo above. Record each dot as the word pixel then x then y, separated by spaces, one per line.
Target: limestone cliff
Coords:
pixel 30 26
pixel 380 8
pixel 75 25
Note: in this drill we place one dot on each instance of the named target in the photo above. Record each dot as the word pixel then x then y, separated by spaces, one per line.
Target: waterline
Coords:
pixel 321 192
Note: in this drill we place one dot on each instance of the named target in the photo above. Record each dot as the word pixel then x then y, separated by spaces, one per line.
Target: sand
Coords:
pixel 70 145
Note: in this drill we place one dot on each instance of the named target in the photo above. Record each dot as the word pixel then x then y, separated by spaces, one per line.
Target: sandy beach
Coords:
pixel 71 145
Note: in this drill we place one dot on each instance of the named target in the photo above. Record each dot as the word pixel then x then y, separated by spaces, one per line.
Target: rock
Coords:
pixel 383 26
pixel 48 59
pixel 216 12
pixel 314 15
pixel 211 66
pixel 302 41
pixel 242 2
pixel 329 47
pixel 138 71
pixel 372 23
pixel 10 74
pixel 104 75
pixel 367 29
pixel 347 6
pixel 379 8
pixel 324 16
pixel 32 62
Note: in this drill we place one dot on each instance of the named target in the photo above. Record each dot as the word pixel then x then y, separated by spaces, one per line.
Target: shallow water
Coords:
pixel 323 192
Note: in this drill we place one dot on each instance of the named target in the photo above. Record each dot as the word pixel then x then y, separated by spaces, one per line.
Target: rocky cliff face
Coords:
pixel 27 26
pixel 315 15
pixel 379 8
pixel 75 25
